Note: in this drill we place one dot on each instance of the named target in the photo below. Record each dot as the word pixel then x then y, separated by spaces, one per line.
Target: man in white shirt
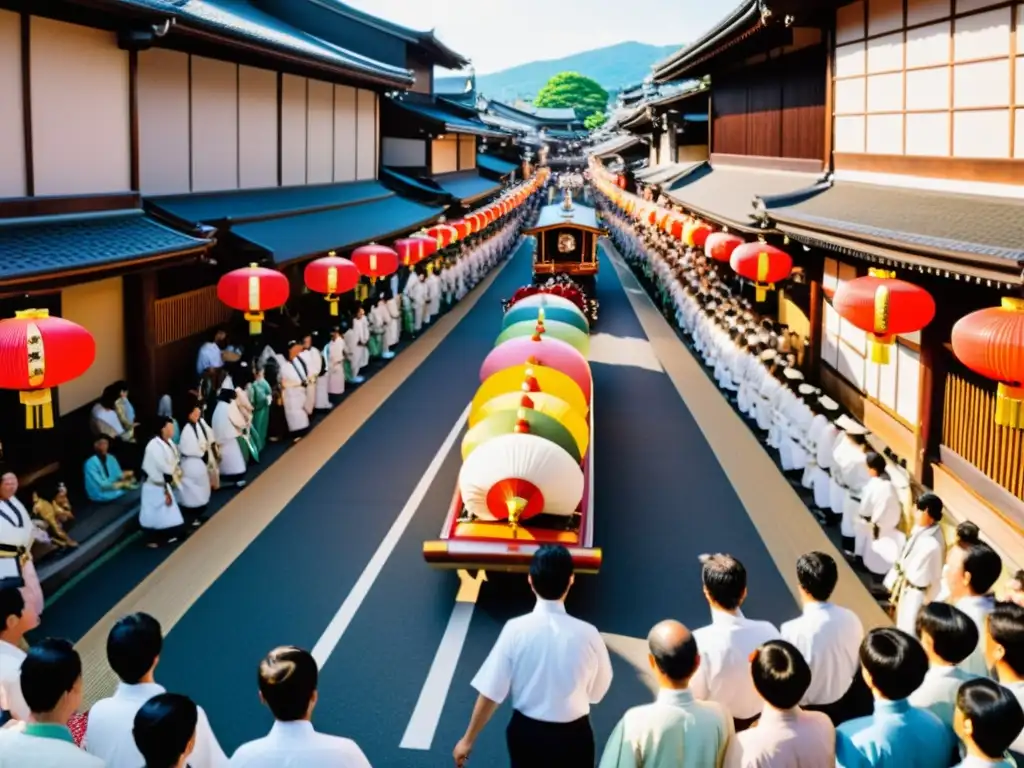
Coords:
pixel 51 681
pixel 554 666
pixel 14 623
pixel 973 568
pixel 829 637
pixel 133 652
pixel 878 518
pixel 288 686
pixel 916 576
pixel 948 636
pixel 726 643
pixel 1003 641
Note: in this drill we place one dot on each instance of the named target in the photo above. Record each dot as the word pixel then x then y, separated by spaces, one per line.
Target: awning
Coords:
pixel 496 165
pixel 971 234
pixel 435 114
pixel 467 186
pixel 665 173
pixel 38 248
pixel 613 146
pixel 420 187
pixel 338 229
pixel 726 194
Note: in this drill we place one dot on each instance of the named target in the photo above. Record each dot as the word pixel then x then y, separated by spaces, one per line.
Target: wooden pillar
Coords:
pixel 930 393
pixel 140 293
pixel 812 355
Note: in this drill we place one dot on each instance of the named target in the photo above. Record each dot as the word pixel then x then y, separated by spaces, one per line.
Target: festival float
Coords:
pixel 528 455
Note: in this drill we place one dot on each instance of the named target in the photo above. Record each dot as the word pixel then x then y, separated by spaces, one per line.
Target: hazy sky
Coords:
pixel 496 35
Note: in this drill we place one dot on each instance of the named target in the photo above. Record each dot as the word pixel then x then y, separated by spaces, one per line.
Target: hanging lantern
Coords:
pixel 331 276
pixel 38 353
pixel 253 290
pixel 991 342
pixel 695 233
pixel 443 234
pixel 762 264
pixel 883 307
pixel 477 221
pixel 375 261
pixel 720 245
pixel 412 250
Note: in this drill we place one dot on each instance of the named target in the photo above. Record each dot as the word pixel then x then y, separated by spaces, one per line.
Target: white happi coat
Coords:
pixel 362 324
pixel 380 319
pixel 417 293
pixel 312 363
pixel 160 460
pixel 879 506
pixel 394 332
pixel 228 426
pixel 334 354
pixel 293 392
pixel 917 574
pixel 815 432
pixel 855 477
pixel 315 361
pixel 842 454
pixel 194 446
pixel 354 351
pixel 828 437
pixel 433 285
pixel 794 448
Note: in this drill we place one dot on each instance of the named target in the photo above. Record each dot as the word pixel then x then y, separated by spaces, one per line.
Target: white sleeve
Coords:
pixel 494 680
pixel 207 752
pixel 603 675
pixel 12 699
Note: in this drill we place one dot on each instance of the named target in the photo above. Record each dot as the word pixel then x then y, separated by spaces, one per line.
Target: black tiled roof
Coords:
pixel 53 244
pixel 941 222
pixel 493 164
pixel 434 112
pixel 467 186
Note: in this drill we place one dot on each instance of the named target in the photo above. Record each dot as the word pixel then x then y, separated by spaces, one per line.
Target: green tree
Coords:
pixel 571 89
pixel 595 121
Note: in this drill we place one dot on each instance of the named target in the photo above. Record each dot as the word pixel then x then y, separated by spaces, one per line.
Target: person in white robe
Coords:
pixel 199 469
pixel 852 477
pixel 362 324
pixel 229 432
pixel 828 438
pixel 16 539
pixel 917 574
pixel 380 319
pixel 394 332
pixel 795 447
pixel 159 513
pixel 416 290
pixel 877 538
pixel 293 379
pixel 354 352
pixel 433 286
pixel 314 367
pixel 447 285
pixel 334 355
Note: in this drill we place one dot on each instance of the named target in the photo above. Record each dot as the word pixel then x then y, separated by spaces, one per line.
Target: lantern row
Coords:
pixel 990 342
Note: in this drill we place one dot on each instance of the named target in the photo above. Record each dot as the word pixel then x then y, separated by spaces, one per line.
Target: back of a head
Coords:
pixel 50 669
pixel 896 662
pixel 953 633
pixel 725 580
pixel 163 729
pixel 875 462
pixel 931 503
pixel 12 603
pixel 133 645
pixel 1005 625
pixel 674 650
pixel 288 679
pixel 967 533
pixel 994 715
pixel 817 575
pixel 984 566
pixel 780 673
pixel 551 571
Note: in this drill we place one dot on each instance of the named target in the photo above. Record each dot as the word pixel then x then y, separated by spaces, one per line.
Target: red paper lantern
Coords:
pixel 477 221
pixel 253 290
pixel 991 342
pixel 442 234
pixel 375 261
pixel 330 276
pixel 463 229
pixel 883 307
pixel 720 245
pixel 621 181
pixel 762 264
pixel 38 353
pixel 412 250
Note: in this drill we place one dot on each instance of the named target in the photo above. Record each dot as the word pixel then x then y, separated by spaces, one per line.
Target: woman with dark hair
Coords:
pixel 229 430
pixel 199 468
pixel 159 513
pixel 165 730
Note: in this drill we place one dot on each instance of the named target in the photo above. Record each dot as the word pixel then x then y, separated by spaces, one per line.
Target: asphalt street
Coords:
pixel 661 500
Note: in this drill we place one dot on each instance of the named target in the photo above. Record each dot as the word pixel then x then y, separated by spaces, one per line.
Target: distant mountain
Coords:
pixel 614 67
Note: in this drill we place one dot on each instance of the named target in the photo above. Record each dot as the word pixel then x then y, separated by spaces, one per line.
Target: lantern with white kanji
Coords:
pixel 253 290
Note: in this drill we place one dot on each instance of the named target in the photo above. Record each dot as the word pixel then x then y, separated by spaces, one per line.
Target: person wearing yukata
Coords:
pixel 416 290
pixel 916 577
pixel 1003 641
pixel 394 332
pixel 433 285
pixel 277 423
pixel 362 324
pixel 229 432
pixel 199 466
pixel 379 319
pixel 105 481
pixel 675 731
pixel 447 286
pixel 353 353
pixel 948 636
pixel 125 410
pixel 334 354
pixel 51 682
pixel 987 715
pixel 165 409
pixel 786 736
pixel 159 515
pixel 972 569
pixel 316 395
pixel 294 379
pixel 17 534
pixel 261 396
pixel 878 519
pixel 849 476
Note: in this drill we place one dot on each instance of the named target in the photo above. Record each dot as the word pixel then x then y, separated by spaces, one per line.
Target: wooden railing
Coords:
pixel 969 430
pixel 179 317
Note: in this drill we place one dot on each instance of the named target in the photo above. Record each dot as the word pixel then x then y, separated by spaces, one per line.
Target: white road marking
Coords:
pixel 332 635
pixel 419 733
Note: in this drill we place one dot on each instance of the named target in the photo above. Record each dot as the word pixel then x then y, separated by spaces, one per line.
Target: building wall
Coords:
pixel 99 308
pixel 775 107
pixel 467 153
pixel 691 153
pixel 403 153
pixel 12 134
pixel 444 155
pixel 207 125
pixel 934 79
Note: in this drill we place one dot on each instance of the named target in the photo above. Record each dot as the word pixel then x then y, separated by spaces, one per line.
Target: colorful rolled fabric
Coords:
pixel 548 329
pixel 543 402
pixel 539 350
pixel 569 315
pixel 509 422
pixel 526 379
